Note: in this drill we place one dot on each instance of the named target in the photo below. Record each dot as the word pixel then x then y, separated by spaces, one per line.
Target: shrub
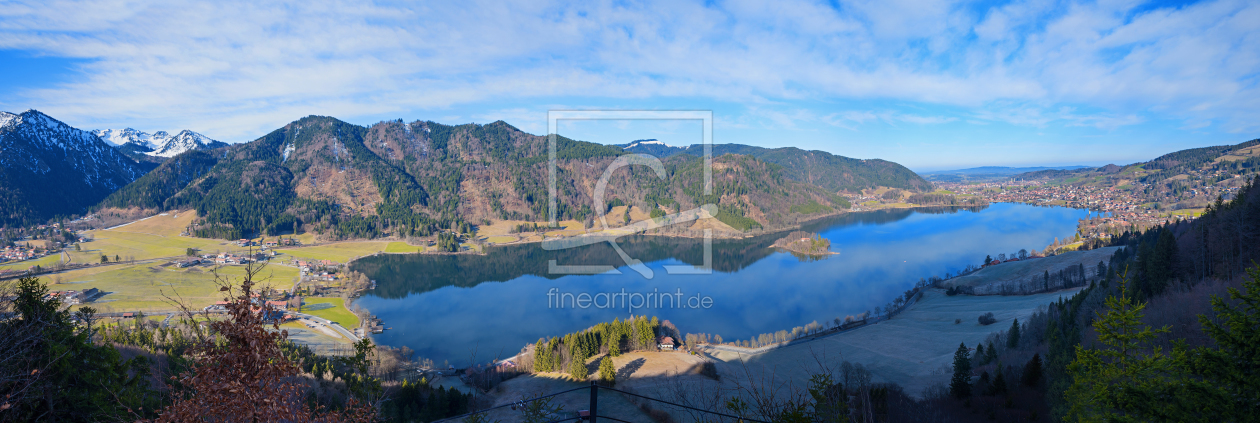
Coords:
pixel 987 319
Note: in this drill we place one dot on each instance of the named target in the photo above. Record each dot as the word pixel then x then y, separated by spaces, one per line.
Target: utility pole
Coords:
pixel 594 401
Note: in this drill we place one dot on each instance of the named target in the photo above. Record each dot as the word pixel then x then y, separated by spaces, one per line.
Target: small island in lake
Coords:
pixel 807 243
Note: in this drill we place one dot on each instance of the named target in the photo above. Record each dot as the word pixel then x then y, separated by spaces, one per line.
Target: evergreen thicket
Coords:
pixel 570 352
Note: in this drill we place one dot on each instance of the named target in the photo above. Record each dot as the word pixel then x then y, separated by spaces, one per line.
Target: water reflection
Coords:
pixel 445 307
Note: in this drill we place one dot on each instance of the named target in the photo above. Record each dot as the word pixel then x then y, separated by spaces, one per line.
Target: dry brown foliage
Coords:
pixel 240 374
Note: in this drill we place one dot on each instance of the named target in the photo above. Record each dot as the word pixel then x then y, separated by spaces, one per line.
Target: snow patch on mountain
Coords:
pixel 288 149
pixel 121 137
pixel 637 143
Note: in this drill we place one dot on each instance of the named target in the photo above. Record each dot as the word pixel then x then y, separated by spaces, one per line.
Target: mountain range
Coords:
pixel 987 173
pixel 405 179
pixel 157 144
pixel 826 170
pixel 412 179
pixel 48 168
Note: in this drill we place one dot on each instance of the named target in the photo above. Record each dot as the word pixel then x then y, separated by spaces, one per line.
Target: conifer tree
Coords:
pixel 607 373
pixel 1012 336
pixel 1032 371
pixel 960 384
pixel 999 382
pixel 577 368
pixel 1121 363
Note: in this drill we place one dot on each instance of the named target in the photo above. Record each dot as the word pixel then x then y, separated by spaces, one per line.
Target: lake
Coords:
pixel 449 307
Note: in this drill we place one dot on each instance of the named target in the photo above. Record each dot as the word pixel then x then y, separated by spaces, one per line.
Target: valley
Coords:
pixel 406 233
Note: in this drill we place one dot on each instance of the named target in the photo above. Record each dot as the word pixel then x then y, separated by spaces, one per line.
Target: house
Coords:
pixel 187 263
pixel 129 315
pixel 666 344
pixel 279 305
pixel 87 295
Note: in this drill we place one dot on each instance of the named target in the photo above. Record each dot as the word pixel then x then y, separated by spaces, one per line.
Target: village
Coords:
pixel 1118 210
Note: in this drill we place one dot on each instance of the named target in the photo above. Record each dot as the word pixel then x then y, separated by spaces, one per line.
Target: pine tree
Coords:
pixel 960 384
pixel 999 382
pixel 1231 371
pixel 607 373
pixel 577 368
pixel 1121 363
pixel 1012 336
pixel 980 357
pixel 991 354
pixel 1032 371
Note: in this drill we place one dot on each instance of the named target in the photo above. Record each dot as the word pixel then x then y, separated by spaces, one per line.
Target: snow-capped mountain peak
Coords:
pixel 6 118
pixel 183 141
pixel 158 144
pixel 121 137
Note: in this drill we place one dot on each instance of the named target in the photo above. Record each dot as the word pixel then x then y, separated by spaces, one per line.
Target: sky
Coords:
pixel 928 84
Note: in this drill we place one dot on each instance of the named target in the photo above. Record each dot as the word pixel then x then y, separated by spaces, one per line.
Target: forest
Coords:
pixel 1163 332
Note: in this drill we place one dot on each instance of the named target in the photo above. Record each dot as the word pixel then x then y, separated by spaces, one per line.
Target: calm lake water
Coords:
pixel 448 307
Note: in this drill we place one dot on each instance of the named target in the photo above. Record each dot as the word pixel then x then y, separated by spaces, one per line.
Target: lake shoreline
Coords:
pixel 718 236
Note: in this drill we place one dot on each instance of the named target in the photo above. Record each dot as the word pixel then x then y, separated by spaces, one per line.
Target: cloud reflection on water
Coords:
pixel 877 261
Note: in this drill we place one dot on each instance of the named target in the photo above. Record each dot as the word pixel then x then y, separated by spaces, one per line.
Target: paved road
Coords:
pixel 335 326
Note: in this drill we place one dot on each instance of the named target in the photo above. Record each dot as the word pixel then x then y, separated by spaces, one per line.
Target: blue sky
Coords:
pixel 928 84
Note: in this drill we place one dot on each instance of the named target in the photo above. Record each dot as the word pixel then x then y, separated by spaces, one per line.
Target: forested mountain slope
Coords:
pixel 826 170
pixel 413 179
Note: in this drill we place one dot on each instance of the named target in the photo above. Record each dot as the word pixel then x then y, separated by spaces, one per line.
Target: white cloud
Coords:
pixel 239 69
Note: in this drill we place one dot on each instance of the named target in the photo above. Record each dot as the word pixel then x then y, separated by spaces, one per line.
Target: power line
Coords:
pixel 683 406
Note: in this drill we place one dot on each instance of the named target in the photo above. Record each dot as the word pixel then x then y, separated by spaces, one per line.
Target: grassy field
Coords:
pixel 170 225
pixel 1186 212
pixel 143 287
pixel 1027 271
pixel 402 247
pixel 141 246
pixel 339 252
pixel 44 261
pixel 501 239
pixel 504 227
pixel 911 349
pixel 338 313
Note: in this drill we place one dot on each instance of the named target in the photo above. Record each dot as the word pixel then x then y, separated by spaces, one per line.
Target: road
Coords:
pixel 329 323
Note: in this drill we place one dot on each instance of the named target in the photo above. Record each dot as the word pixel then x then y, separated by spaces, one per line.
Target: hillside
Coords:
pixel 48 168
pixel 826 170
pixel 1186 179
pixel 414 179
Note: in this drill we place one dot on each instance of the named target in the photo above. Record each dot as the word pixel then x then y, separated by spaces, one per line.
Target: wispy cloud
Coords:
pixel 236 69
